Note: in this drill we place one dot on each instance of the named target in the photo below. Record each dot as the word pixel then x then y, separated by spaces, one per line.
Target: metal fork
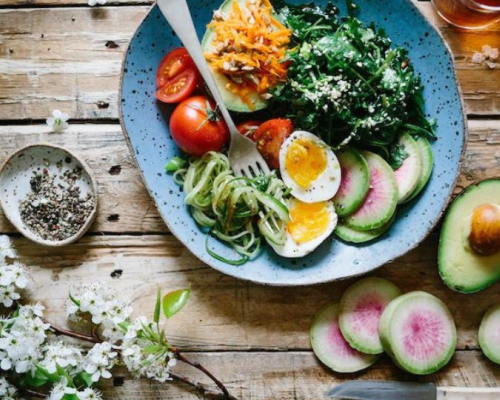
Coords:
pixel 244 157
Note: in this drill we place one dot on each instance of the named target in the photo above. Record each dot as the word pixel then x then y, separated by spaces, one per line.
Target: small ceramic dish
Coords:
pixel 49 175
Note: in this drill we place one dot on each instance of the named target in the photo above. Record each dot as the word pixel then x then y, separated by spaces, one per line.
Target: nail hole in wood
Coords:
pixel 118 381
pixel 116 273
pixel 111 44
pixel 114 217
pixel 115 170
pixel 102 104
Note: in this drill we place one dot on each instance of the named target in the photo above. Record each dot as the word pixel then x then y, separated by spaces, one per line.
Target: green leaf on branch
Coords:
pixel 36 379
pixel 86 378
pixel 50 377
pixel 75 301
pixel 63 373
pixel 156 317
pixel 70 396
pixel 124 326
pixel 174 301
pixel 154 348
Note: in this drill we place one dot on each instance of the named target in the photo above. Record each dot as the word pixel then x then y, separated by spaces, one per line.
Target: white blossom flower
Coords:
pixel 92 3
pixel 60 389
pixel 89 394
pixel 489 52
pixel 7 390
pixel 59 353
pixel 6 248
pixel 99 360
pixel 58 121
pixel 478 58
pixel 101 302
pixel 144 363
pixel 486 57
pixel 491 64
pixel 12 278
pixel 21 339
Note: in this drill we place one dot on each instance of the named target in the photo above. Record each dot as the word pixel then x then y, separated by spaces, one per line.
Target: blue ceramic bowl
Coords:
pixel 145 123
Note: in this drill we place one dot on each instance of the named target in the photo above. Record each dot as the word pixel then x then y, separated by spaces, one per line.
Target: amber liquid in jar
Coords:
pixel 469 14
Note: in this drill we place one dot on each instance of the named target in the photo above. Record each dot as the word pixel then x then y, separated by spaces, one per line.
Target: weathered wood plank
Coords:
pixel 65 58
pixel 125 206
pixel 297 375
pixel 224 313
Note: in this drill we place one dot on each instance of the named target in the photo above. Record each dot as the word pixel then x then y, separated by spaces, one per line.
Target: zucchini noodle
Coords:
pixel 236 210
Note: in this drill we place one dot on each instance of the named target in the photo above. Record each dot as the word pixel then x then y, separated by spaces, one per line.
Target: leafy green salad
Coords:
pixel 347 84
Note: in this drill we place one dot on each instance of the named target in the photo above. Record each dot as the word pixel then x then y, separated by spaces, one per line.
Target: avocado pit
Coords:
pixel 484 236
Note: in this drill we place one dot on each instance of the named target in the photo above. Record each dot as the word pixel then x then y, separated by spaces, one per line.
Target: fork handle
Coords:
pixel 179 17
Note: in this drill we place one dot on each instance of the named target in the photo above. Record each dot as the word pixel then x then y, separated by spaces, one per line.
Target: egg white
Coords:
pixel 292 249
pixel 328 182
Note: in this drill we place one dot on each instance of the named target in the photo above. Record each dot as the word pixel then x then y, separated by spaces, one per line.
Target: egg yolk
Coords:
pixel 305 160
pixel 307 221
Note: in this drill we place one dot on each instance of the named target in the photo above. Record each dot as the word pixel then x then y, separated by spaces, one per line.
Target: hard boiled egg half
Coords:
pixel 309 225
pixel 309 167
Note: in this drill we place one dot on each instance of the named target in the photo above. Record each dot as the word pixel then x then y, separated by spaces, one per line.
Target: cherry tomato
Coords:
pixel 178 88
pixel 270 136
pixel 248 128
pixel 177 76
pixel 196 128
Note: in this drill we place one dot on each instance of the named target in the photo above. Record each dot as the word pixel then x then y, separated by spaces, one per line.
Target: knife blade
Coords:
pixel 383 390
pixel 387 390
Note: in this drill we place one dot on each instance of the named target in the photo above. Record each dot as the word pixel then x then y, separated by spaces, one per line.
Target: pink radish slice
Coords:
pixel 418 332
pixel 354 181
pixel 408 174
pixel 382 198
pixel 360 309
pixel 330 346
pixel 489 334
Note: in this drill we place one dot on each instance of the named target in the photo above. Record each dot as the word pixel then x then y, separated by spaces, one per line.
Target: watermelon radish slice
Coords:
pixel 418 332
pixel 489 334
pixel 427 165
pixel 354 182
pixel 408 174
pixel 330 346
pixel 350 235
pixel 360 309
pixel 382 198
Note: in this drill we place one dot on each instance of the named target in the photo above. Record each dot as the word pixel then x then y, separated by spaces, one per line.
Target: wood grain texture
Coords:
pixel 225 313
pixel 67 58
pixel 124 204
pixel 298 375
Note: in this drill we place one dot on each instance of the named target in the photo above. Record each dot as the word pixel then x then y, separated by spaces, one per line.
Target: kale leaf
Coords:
pixel 347 83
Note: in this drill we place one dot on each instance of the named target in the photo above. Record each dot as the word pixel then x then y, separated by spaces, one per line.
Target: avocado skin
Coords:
pixel 460 268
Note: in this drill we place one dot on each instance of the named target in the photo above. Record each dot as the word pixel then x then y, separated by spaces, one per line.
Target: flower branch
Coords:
pixel 65 332
pixel 200 367
pixel 33 351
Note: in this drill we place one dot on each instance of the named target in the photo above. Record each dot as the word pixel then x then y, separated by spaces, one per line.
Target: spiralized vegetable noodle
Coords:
pixel 237 210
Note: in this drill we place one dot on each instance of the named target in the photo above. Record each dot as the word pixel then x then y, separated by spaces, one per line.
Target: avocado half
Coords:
pixel 459 266
pixel 232 101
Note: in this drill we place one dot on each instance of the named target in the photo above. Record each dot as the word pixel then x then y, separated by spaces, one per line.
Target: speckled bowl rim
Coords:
pixel 94 186
pixel 433 222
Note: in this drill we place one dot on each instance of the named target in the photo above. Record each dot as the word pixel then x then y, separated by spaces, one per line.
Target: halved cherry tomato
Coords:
pixel 178 88
pixel 195 127
pixel 270 136
pixel 176 77
pixel 172 64
pixel 248 128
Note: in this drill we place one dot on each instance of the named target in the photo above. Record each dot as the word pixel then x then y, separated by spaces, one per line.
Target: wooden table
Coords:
pixel 62 54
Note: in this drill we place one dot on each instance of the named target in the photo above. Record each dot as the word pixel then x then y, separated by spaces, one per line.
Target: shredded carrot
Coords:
pixel 250 47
